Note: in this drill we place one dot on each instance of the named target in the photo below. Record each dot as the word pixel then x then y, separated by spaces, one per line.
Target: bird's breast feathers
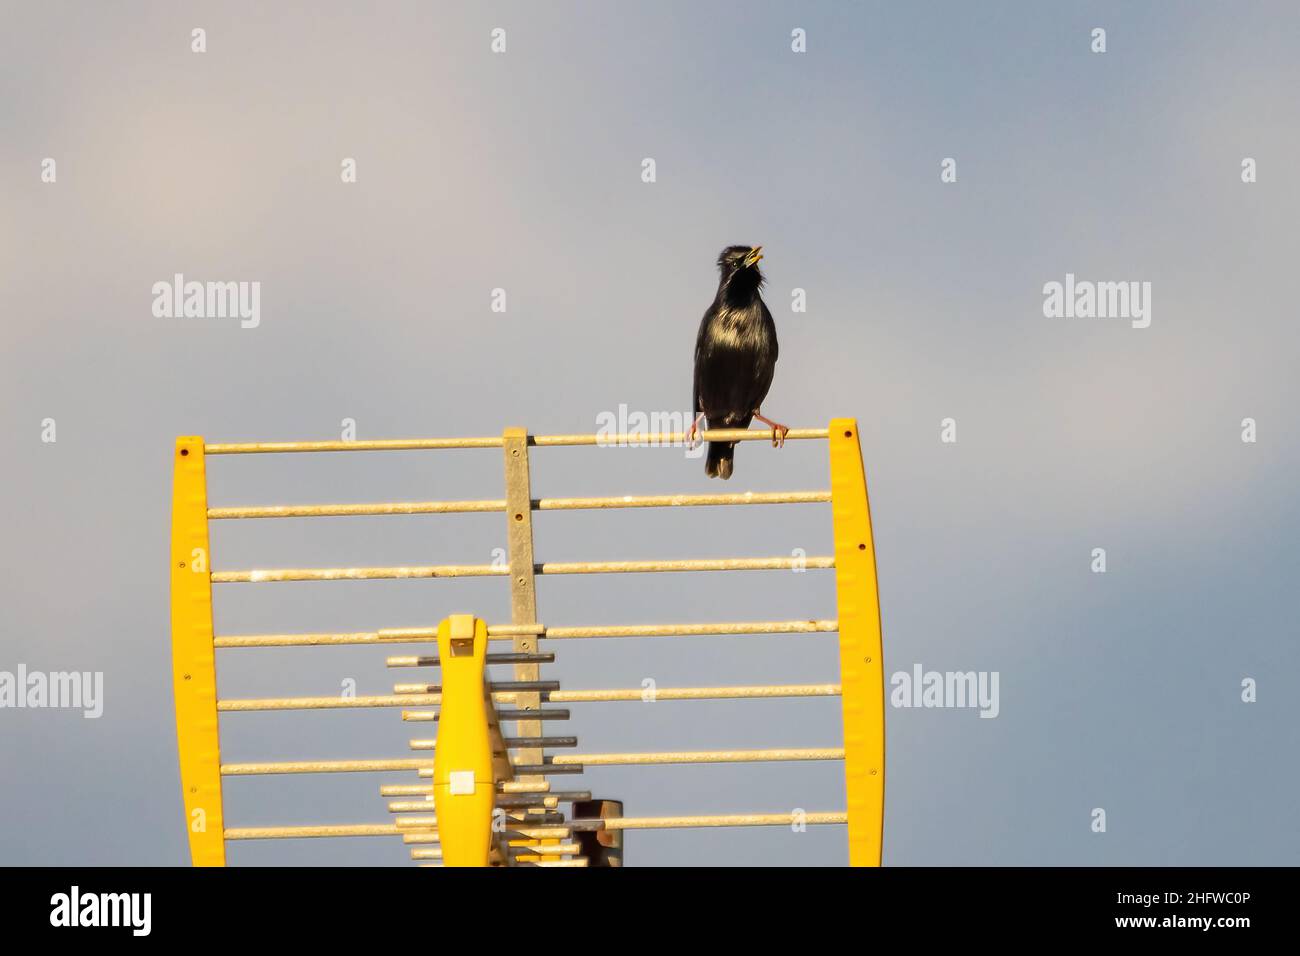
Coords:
pixel 738 328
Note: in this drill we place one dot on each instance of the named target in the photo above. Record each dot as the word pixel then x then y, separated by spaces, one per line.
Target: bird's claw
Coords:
pixel 693 433
pixel 779 431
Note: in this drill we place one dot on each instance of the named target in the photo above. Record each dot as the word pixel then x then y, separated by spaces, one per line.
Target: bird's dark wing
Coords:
pixel 770 325
pixel 695 376
pixel 765 353
pixel 701 348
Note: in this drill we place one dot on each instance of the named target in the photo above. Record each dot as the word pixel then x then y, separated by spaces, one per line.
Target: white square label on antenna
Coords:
pixel 461 782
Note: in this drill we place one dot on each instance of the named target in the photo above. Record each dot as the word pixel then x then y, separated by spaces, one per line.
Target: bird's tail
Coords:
pixel 718 464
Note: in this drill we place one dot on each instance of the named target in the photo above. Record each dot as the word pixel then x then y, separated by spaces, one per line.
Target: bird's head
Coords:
pixel 734 258
pixel 741 262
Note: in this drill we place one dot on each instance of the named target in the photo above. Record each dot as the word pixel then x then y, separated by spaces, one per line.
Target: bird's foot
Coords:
pixel 779 431
pixel 693 433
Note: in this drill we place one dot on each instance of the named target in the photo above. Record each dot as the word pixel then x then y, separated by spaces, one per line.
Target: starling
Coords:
pixel 735 357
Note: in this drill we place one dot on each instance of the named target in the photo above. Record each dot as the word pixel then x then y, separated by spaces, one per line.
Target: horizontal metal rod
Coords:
pixel 512 832
pixel 564 796
pixel 505 801
pixel 691 630
pixel 607 502
pixel 691 564
pixel 293 833
pixel 490 570
pixel 632 439
pixel 427 716
pixel 359 510
pixel 533 846
pixel 698 756
pixel 682 501
pixel 396 635
pixel 505 658
pixel 358 574
pixel 523 786
pixel 511 743
pixel 611 695
pixel 553 713
pixel 577 862
pixel 503 632
pixel 406 824
pixel 419 687
pixel 499 687
pixel 429 824
pixel 721 820
pixel 389 444
pixel 511 686
pixel 411 806
pixel 324 766
pixel 521 833
pixel 549 767
pixel 692 693
pixel 426 789
pixel 326 703
pixel 541 851
pixel 521 800
pixel 641 694
pixel 406 789
pixel 515 743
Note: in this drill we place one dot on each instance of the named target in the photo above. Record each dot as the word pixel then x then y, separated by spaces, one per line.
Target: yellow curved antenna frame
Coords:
pixel 476 772
pixel 194 671
pixel 861 677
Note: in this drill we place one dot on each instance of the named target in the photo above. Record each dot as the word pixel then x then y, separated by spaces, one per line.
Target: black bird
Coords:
pixel 735 357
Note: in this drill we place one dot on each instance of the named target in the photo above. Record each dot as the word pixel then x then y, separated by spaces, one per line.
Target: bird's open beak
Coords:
pixel 754 255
